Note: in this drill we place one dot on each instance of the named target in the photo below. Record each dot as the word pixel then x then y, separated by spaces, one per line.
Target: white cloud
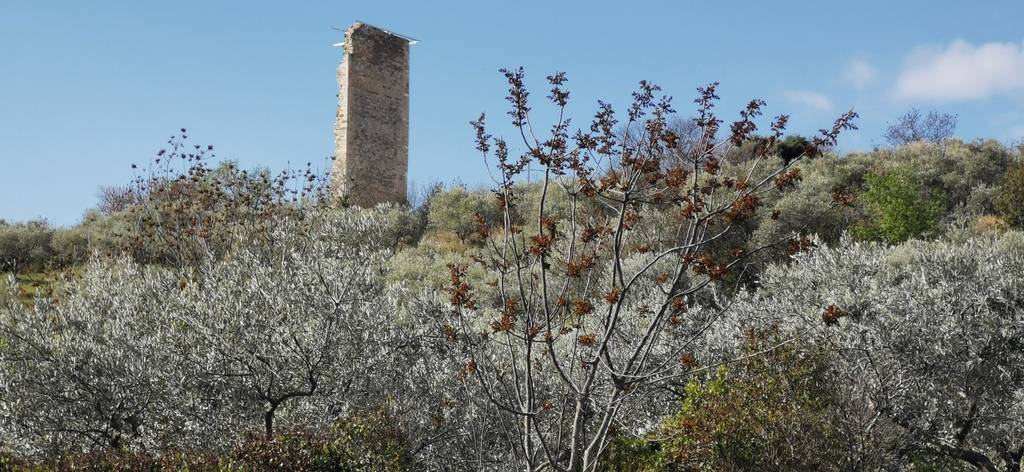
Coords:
pixel 860 74
pixel 962 71
pixel 809 99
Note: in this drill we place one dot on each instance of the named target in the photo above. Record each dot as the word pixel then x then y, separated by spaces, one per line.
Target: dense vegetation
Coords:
pixel 662 298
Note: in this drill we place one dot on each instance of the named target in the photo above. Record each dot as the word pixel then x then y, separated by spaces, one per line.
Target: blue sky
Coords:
pixel 87 88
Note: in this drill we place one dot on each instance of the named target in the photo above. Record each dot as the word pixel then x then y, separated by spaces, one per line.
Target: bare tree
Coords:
pixel 590 310
pixel 911 127
pixel 114 199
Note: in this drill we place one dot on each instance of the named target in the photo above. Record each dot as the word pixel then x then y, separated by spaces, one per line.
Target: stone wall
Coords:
pixel 371 134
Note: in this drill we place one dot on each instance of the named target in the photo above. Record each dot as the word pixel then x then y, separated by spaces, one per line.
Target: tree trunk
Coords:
pixel 268 421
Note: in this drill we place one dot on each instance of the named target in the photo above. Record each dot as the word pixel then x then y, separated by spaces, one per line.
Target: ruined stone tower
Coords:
pixel 371 134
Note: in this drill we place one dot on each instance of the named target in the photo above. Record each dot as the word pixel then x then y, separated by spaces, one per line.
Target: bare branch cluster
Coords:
pixel 593 308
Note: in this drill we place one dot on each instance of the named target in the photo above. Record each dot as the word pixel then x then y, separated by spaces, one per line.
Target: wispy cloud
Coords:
pixel 962 72
pixel 809 99
pixel 860 74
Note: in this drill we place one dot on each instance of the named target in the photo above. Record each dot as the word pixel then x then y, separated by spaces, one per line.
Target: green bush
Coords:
pixel 407 226
pixel 956 176
pixel 953 169
pixel 767 412
pixel 183 207
pixel 70 246
pixel 627 453
pixel 787 149
pixel 25 247
pixel 457 210
pixel 794 146
pixel 897 208
pixel 824 204
pixel 1009 197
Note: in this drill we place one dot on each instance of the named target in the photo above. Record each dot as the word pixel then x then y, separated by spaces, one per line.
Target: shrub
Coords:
pixel 787 149
pixel 1009 199
pixel 297 327
pixel 794 146
pixel 952 170
pixel 25 247
pixel 118 461
pixel 99 370
pixel 462 212
pixel 897 208
pixel 825 204
pixel 768 412
pixel 626 453
pixel 181 208
pixel 9 291
pixel 70 246
pixel 425 268
pixel 117 199
pixel 956 176
pixel 358 442
pixel 989 225
pixel 106 235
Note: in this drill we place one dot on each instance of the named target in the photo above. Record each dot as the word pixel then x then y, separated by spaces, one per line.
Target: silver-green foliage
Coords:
pixel 97 370
pixel 143 357
pixel 927 341
pixel 293 329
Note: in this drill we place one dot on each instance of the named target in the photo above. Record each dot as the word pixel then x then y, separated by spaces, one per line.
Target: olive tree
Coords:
pixel 97 370
pixel 139 357
pixel 927 343
pixel 295 329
